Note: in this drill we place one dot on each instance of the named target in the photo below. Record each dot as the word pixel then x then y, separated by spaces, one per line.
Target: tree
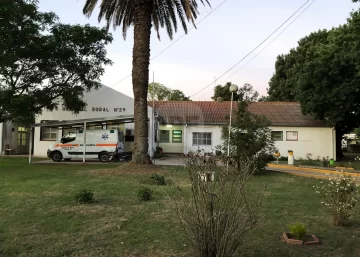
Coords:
pixel 282 85
pixel 250 138
pixel 224 92
pixel 144 14
pixel 324 77
pixel 245 93
pixel 177 95
pixel 264 98
pixel 45 63
pixel 357 132
pixel 159 92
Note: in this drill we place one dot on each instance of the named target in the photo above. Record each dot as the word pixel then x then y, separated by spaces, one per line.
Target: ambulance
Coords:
pixel 98 144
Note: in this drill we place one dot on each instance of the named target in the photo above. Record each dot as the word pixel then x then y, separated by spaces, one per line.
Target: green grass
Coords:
pixel 39 216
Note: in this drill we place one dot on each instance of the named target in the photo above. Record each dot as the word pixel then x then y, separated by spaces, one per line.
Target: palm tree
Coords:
pixel 143 14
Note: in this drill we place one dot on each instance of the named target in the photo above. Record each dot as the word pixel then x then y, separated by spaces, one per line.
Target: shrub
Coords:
pixel 354 148
pixel 145 194
pixel 308 156
pixel 159 153
pixel 325 162
pixel 217 215
pixel 339 196
pixel 297 230
pixel 159 179
pixel 283 158
pixel 84 197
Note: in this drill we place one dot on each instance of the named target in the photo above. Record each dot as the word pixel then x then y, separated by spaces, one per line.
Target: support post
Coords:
pixel 231 107
pixel 84 151
pixel 30 145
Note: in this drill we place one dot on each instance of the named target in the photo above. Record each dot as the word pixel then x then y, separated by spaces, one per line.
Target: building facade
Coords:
pixel 189 126
pixel 105 102
pixel 181 126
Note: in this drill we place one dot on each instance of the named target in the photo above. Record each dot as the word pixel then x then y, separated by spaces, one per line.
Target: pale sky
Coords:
pixel 219 42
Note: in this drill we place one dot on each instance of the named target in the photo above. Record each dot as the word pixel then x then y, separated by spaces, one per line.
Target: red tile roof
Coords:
pixel 212 112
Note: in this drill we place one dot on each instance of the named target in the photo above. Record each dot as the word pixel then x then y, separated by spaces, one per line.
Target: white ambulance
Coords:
pixel 98 144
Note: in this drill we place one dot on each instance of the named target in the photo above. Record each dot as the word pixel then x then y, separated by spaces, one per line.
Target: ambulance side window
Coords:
pixel 69 137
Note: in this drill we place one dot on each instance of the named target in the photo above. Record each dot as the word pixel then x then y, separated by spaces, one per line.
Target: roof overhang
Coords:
pixel 89 122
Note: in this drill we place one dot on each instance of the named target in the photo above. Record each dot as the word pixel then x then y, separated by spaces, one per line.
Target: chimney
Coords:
pixel 219 99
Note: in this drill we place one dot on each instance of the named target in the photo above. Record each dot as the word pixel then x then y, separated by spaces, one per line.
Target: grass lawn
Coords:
pixel 39 217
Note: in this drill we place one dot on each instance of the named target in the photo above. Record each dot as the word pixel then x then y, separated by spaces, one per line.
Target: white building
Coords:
pixel 183 126
pixel 105 102
pixel 189 125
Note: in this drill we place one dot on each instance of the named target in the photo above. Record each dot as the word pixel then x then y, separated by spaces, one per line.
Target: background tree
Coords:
pixel 264 98
pixel 357 132
pixel 245 93
pixel 144 14
pixel 250 138
pixel 224 92
pixel 178 95
pixel 44 63
pixel 323 75
pixel 282 85
pixel 163 93
pixel 158 92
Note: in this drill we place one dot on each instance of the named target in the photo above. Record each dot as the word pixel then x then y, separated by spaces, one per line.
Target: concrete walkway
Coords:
pixel 313 172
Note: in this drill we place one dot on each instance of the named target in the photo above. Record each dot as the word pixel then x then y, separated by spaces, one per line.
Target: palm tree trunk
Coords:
pixel 140 78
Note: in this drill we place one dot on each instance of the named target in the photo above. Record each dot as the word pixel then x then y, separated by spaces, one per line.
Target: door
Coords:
pixel 70 145
pixel 23 140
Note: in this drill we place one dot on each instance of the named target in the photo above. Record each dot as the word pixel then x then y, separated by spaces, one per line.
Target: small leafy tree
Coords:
pixel 339 196
pixel 250 137
pixel 217 214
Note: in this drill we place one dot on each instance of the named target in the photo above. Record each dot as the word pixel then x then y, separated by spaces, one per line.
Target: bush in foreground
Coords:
pixel 219 213
pixel 338 196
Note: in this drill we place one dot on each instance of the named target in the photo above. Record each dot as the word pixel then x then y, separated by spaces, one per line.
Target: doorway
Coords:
pixel 23 140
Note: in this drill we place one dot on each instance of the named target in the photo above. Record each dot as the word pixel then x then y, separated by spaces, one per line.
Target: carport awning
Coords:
pixel 89 122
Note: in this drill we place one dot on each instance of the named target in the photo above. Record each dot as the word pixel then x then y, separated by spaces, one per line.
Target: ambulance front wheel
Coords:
pixel 103 157
pixel 56 156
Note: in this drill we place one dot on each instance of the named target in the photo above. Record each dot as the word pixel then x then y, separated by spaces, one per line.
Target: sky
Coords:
pixel 200 58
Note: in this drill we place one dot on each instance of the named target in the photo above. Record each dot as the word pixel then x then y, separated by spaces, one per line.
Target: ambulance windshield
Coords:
pixel 69 137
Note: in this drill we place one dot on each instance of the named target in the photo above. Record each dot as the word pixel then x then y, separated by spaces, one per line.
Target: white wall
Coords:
pixel 172 147
pixel 215 137
pixel 317 141
pixel 114 103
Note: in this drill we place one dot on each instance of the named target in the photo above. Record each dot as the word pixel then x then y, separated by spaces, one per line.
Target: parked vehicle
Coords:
pixel 115 156
pixel 98 144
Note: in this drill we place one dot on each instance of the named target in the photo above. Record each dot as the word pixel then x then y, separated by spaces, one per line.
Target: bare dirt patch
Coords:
pixel 52 193
pixel 21 194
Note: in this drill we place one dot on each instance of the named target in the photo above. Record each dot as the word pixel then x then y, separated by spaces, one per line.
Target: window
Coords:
pixel 128 132
pixel 22 139
pixel 69 137
pixel 94 127
pixel 48 134
pixel 277 135
pixel 177 136
pixel 201 138
pixel 291 136
pixel 164 136
pixel 22 129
